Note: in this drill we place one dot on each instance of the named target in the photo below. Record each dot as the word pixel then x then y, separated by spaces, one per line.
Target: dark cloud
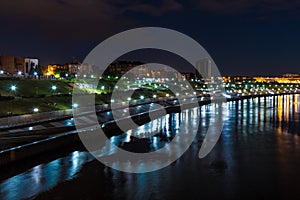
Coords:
pixel 155 10
pixel 76 19
pixel 247 6
pixel 61 19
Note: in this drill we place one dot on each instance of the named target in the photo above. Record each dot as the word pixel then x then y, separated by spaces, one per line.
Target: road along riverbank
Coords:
pixel 22 145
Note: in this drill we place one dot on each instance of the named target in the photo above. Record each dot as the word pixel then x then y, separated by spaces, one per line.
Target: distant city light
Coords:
pixel 84 76
pixel 154 96
pixel 92 76
pixel 128 98
pixel 67 75
pixel 19 73
pixel 53 87
pixel 142 97
pixel 35 73
pixel 102 87
pixel 1 72
pixel 30 128
pixel 35 110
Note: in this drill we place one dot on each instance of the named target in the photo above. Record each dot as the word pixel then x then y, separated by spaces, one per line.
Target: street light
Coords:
pixel 75 105
pixel 1 72
pixel 35 110
pixel 142 97
pixel 13 88
pixel 53 88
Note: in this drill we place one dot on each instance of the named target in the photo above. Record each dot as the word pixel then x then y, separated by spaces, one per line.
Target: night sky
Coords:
pixel 244 37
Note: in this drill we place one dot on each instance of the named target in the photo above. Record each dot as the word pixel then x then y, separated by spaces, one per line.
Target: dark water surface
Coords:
pixel 257 157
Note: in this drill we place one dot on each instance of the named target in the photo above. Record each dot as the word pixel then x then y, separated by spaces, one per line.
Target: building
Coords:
pixel 30 66
pixel 142 71
pixel 7 64
pixel 74 68
pixel 18 66
pixel 56 69
pixel 289 75
pixel 237 79
pixel 121 67
pixel 204 68
pixel 293 80
pixel 68 70
pixel 189 75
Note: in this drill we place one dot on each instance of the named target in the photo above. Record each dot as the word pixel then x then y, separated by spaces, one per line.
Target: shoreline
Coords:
pixel 69 135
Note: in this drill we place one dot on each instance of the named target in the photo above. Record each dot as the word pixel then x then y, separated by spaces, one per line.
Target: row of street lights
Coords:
pixel 13 88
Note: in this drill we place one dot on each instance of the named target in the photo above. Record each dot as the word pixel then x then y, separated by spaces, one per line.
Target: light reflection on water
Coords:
pixel 43 177
pixel 260 137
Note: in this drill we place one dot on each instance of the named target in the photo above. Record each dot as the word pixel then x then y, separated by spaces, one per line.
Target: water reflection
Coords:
pixel 43 177
pixel 260 144
pixel 157 133
pixel 261 163
pixel 264 113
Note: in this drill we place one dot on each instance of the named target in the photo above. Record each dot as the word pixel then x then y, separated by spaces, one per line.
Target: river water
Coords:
pixel 256 157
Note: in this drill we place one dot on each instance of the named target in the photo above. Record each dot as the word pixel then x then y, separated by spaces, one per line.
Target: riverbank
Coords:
pixel 30 143
pixel 51 139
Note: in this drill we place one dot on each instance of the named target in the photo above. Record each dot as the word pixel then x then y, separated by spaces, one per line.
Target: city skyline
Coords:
pixel 17 66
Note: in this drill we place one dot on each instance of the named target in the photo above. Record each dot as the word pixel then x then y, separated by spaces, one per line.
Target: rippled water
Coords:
pixel 257 157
